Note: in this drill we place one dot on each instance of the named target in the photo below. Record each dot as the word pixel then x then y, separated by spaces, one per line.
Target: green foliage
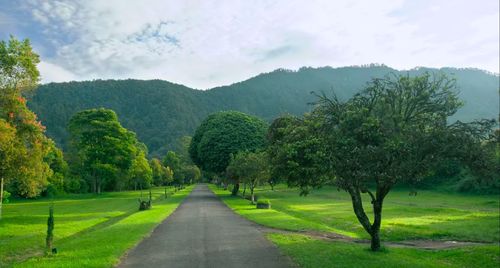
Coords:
pixel 18 71
pixel 263 202
pixel 142 104
pixel 23 167
pixel 173 162
pixel 140 173
pixel 50 229
pixel 104 149
pixel 222 134
pixel 297 155
pixel 191 174
pixel 6 195
pixel 251 168
pixel 60 169
pixel 394 130
pixel 161 175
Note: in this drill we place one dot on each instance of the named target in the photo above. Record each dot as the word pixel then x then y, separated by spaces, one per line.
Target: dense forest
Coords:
pixel 161 112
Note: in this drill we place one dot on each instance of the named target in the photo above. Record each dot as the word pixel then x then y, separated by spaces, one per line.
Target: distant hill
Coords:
pixel 160 112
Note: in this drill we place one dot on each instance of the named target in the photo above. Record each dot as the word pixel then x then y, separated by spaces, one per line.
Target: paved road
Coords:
pixel 204 232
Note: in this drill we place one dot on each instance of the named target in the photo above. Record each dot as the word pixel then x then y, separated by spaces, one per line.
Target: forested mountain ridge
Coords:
pixel 160 112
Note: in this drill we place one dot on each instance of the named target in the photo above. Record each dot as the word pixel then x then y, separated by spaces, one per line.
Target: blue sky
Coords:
pixel 206 43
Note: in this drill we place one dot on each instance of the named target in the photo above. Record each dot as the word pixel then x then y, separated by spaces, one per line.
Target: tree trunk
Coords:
pixel 375 228
pixel 98 187
pixel 244 189
pixel 1 197
pixel 236 188
pixel 251 193
pixel 375 241
pixel 94 185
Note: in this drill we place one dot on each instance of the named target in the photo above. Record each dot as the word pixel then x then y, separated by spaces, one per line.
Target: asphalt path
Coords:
pixel 204 232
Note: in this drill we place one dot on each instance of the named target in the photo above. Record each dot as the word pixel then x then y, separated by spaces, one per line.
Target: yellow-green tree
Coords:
pixel 8 154
pixel 19 75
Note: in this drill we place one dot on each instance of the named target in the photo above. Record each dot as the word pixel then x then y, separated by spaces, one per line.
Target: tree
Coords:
pixel 191 174
pixel 8 155
pixel 390 132
pixel 251 167
pixel 161 175
pixel 19 76
pixel 140 172
pixel 222 134
pixel 183 149
pixel 105 149
pixel 395 130
pixel 59 167
pixel 297 154
pixel 174 163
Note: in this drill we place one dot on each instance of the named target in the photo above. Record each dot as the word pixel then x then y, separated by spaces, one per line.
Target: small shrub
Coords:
pixel 51 191
pixel 50 229
pixel 6 196
pixel 264 204
pixel 144 205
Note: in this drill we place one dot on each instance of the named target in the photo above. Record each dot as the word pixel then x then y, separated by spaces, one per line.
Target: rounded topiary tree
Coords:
pixel 223 134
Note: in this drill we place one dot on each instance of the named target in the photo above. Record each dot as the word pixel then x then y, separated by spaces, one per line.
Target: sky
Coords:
pixel 203 44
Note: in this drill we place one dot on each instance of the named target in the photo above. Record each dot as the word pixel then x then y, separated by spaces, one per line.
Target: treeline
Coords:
pixel 395 131
pixel 161 112
pixel 101 154
pixel 105 156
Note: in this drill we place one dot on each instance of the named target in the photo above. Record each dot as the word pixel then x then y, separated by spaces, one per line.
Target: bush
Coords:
pixel 51 191
pixel 264 204
pixel 6 196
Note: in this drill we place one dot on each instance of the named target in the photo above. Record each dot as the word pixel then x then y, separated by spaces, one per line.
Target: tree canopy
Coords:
pixel 394 130
pixel 27 171
pixel 222 134
pixel 104 148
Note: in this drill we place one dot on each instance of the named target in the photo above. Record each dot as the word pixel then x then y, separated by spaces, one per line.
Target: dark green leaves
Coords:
pixel 225 133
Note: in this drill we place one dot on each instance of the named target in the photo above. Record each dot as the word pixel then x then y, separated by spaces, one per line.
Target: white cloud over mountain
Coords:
pixel 208 43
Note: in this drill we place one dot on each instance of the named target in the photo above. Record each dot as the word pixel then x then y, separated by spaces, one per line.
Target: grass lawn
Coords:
pixel 429 215
pixel 90 230
pixel 309 252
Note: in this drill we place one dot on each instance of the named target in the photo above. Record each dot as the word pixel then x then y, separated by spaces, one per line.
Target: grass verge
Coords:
pixel 309 252
pixel 90 231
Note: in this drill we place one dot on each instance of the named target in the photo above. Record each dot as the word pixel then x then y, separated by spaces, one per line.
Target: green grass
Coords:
pixel 309 252
pixel 429 215
pixel 90 230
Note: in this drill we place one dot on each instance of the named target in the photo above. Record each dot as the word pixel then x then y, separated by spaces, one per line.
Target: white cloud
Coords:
pixel 209 43
pixel 54 73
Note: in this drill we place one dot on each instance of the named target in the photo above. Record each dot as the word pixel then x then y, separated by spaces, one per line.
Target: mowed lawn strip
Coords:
pixel 271 217
pixel 310 252
pixel 90 231
pixel 429 215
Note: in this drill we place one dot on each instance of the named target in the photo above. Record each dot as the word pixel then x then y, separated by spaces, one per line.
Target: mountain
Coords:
pixel 160 112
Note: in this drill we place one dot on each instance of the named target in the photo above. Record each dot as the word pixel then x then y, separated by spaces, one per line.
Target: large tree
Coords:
pixel 222 134
pixel 105 149
pixel 393 131
pixel 297 154
pixel 8 155
pixel 19 76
